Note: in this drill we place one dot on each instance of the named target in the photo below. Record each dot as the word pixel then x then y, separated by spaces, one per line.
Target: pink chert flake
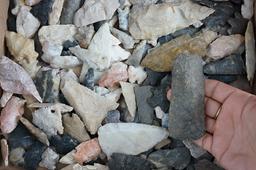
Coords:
pixel 11 113
pixel 14 79
pixel 118 72
pixel 87 151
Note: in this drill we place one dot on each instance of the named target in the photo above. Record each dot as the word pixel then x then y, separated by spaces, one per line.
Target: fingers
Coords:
pixel 211 107
pixel 217 90
pixel 205 142
pixel 210 125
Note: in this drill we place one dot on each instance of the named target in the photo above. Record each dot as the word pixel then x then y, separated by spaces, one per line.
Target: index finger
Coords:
pixel 218 91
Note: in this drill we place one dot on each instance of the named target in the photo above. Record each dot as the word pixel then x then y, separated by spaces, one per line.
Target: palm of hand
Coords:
pixel 231 138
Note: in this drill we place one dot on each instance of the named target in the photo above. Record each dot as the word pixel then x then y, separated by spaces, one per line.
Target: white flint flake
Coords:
pixel 129 96
pixel 54 15
pixel 103 50
pixel 136 74
pixel 49 118
pixel 95 10
pixel 127 135
pixel 144 22
pixel 57 34
pixel 91 107
pixel 27 24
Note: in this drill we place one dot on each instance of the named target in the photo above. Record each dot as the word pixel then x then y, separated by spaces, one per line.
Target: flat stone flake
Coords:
pixel 186 115
pixel 145 22
pixel 127 135
pixel 55 13
pixel 250 51
pixel 93 11
pixel 161 58
pixel 23 50
pixel 129 96
pixel 90 106
pixel 68 11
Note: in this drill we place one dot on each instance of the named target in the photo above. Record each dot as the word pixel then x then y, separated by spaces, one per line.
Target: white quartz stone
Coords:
pixel 103 50
pixel 95 10
pixel 57 34
pixel 153 21
pixel 129 96
pixel 136 74
pixel 91 107
pixel 26 23
pixel 247 9
pixel 129 138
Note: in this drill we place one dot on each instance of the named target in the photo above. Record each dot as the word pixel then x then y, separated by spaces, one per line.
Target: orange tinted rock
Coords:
pixel 118 72
pixel 11 113
pixel 87 151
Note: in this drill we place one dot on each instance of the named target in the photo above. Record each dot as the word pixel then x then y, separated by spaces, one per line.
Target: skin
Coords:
pixel 231 137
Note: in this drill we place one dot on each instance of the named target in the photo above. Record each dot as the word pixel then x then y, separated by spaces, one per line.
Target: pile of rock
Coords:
pixel 85 83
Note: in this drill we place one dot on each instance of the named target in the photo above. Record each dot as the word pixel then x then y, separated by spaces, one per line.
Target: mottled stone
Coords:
pixel 231 65
pixel 57 34
pixel 205 164
pixel 23 51
pixel 87 151
pixel 27 24
pixel 113 116
pixel 89 79
pixel 5 151
pixel 231 44
pixel 247 9
pixel 161 58
pixel 250 51
pixel 63 144
pixel 125 162
pixel 103 50
pixel 49 159
pixel 145 113
pixel 195 150
pixel 54 15
pixel 49 118
pixel 40 135
pixel 138 53
pixel 20 137
pixel 16 156
pixel 117 72
pixel 10 114
pixel 68 11
pixel 178 158
pixel 90 106
pixel 136 74
pixel 187 80
pixel 48 82
pixel 144 25
pixel 123 16
pixel 127 135
pixel 127 41
pixel 33 155
pixel 6 96
pixel 75 127
pixel 84 35
pixel 42 10
pixel 129 96
pixel 93 11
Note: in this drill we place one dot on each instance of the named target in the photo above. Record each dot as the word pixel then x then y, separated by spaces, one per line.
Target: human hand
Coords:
pixel 231 137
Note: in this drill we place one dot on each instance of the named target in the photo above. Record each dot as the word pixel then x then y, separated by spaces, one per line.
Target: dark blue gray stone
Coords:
pixel 159 98
pixel 63 144
pixel 89 79
pixel 33 155
pixel 231 65
pixel 69 10
pixel 153 78
pixel 120 161
pixel 186 115
pixel 42 10
pixel 113 116
pixel 238 24
pixel 11 20
pixel 177 158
